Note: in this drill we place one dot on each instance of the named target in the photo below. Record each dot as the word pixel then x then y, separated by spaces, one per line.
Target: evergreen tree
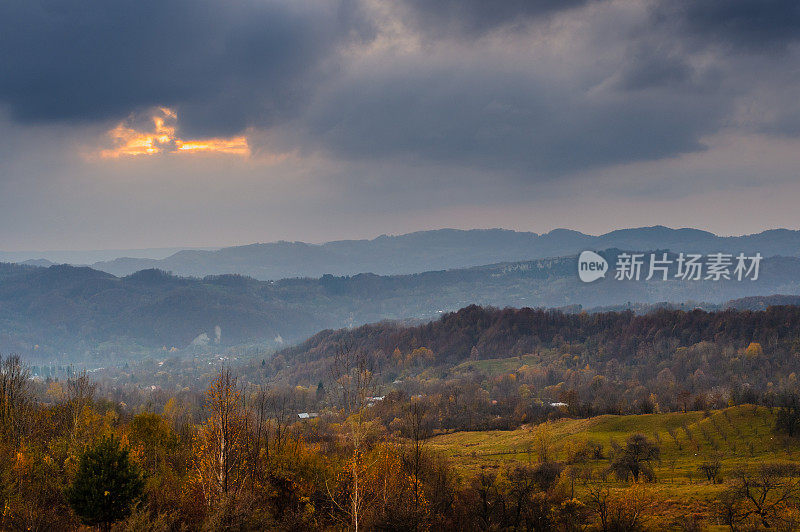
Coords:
pixel 320 391
pixel 106 486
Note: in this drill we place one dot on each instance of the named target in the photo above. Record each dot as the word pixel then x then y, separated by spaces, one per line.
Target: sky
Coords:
pixel 155 123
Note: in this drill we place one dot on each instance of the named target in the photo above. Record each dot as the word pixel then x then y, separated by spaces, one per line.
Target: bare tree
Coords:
pixel 416 426
pixel 635 458
pixel 764 495
pixel 15 398
pixel 711 469
pixel 352 386
pixel 599 498
pixel 79 393
pixel 272 412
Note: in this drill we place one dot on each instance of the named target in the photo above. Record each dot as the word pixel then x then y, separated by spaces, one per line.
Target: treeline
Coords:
pixel 491 368
pixel 498 333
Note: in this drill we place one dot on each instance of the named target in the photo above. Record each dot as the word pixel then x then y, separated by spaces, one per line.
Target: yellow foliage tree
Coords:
pixel 221 441
pixel 754 350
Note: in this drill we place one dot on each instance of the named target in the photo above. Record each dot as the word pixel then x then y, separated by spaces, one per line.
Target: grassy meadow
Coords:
pixel 739 437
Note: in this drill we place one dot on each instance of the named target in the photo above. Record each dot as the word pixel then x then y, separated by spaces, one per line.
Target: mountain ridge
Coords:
pixel 442 249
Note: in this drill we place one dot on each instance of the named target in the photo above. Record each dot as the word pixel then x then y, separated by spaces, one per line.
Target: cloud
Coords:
pixel 537 90
pixel 222 65
pixel 740 25
pixel 485 116
pixel 733 53
pixel 474 18
pixel 649 66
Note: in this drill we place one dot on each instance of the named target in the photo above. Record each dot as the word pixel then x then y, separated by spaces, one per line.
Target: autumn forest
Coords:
pixel 485 419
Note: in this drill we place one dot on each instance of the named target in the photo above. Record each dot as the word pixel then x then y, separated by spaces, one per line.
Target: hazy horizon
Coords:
pixel 165 251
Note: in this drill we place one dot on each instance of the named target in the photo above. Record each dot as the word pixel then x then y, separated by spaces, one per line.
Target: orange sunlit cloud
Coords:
pixel 129 141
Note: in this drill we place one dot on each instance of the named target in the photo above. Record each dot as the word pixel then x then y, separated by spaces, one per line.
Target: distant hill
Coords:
pixel 762 302
pixel 85 312
pixel 442 249
pixel 85 257
pixel 37 262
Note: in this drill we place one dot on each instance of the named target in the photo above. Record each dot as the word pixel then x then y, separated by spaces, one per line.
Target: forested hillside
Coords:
pixel 498 333
pixel 614 362
pixel 78 311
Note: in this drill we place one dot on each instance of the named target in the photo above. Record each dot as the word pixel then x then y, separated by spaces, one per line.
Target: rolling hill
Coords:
pixel 442 249
pixel 76 311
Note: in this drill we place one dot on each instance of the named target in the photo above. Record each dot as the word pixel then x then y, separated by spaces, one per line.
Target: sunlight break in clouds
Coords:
pixel 129 140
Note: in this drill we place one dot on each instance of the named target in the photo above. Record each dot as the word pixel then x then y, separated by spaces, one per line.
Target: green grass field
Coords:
pixel 739 437
pixel 495 366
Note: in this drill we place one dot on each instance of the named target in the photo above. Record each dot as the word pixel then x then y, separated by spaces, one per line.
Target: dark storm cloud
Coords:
pixel 649 67
pixel 660 52
pixel 471 18
pixel 304 72
pixel 659 101
pixel 735 50
pixel 492 119
pixel 223 65
pixel 752 25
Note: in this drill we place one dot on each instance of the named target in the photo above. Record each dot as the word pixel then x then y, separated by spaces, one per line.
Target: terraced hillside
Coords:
pixel 738 438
